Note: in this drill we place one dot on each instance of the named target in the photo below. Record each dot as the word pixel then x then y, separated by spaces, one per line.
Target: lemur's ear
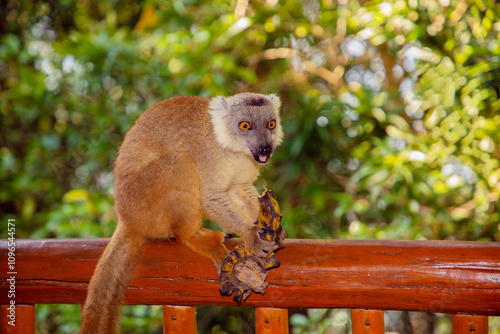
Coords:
pixel 275 100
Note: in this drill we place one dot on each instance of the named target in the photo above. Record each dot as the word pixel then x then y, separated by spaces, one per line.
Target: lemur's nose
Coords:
pixel 265 150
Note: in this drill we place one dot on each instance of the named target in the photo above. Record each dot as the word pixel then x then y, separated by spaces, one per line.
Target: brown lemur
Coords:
pixel 184 159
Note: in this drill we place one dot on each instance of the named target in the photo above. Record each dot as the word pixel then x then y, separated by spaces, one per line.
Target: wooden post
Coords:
pixel 367 321
pixel 271 320
pixel 24 319
pixel 179 319
pixel 470 324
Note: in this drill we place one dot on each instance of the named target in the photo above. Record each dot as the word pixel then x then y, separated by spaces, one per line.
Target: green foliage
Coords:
pixel 57 318
pixel 416 151
pixel 321 321
pixel 390 108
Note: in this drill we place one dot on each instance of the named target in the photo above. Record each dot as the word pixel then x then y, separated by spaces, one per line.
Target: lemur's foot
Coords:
pixel 243 273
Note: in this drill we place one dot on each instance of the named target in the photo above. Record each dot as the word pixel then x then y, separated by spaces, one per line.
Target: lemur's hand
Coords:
pixel 280 237
pixel 260 246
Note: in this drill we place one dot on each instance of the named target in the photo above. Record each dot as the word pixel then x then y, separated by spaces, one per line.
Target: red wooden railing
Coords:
pixel 459 278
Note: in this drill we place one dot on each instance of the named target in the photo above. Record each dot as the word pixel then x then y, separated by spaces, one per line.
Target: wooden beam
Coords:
pixel 435 276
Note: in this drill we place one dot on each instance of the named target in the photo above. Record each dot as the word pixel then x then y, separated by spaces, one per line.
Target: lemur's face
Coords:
pixel 248 123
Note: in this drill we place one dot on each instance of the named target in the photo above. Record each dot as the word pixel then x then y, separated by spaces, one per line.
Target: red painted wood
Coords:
pixel 438 276
pixel 24 319
pixel 271 320
pixel 467 324
pixel 179 319
pixel 367 321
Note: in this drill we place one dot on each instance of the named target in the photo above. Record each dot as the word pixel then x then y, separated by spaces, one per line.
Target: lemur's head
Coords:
pixel 248 123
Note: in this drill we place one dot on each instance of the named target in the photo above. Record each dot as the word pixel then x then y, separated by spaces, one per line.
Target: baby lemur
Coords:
pixel 184 159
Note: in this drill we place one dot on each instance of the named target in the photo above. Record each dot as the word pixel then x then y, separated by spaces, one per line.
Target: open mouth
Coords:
pixel 261 158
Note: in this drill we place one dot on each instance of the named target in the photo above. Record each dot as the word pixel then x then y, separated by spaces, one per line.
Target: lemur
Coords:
pixel 184 159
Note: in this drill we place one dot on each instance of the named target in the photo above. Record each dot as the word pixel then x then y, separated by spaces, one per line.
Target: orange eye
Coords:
pixel 245 126
pixel 271 125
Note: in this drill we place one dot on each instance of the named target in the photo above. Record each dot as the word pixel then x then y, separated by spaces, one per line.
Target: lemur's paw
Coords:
pixel 280 237
pixel 243 272
pixel 271 239
pixel 259 245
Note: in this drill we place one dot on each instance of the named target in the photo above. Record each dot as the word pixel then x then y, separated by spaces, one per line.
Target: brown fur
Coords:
pixel 170 173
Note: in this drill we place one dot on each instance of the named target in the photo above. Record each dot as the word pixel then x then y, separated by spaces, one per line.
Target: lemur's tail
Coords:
pixel 107 287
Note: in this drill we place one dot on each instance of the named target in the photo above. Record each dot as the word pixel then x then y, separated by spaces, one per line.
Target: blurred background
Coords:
pixel 390 110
